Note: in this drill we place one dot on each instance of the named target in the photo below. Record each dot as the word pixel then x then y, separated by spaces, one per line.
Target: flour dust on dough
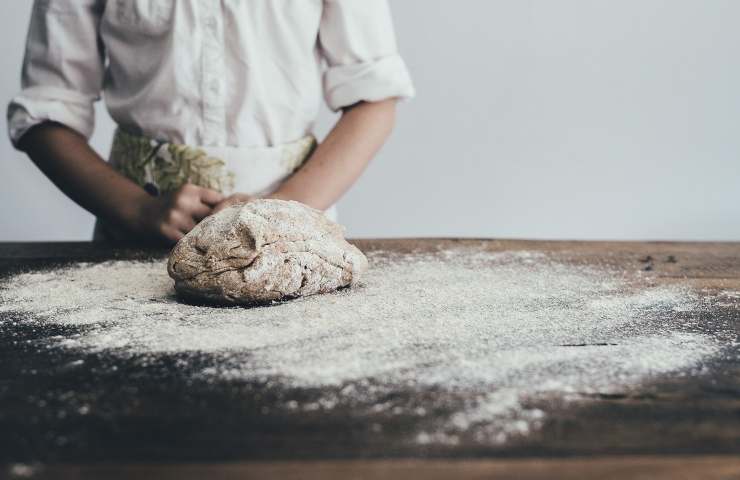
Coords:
pixel 263 251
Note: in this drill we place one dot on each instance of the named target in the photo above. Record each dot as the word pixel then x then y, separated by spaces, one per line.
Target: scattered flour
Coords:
pixel 496 329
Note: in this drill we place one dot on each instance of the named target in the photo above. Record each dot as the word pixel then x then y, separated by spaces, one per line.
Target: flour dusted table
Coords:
pixel 148 423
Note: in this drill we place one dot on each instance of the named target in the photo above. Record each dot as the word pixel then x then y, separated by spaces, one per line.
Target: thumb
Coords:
pixel 210 197
pixel 227 202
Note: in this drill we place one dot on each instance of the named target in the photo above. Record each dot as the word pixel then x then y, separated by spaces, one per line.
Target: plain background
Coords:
pixel 588 119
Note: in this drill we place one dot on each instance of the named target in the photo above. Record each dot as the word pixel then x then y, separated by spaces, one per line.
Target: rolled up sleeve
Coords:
pixel 358 43
pixel 63 68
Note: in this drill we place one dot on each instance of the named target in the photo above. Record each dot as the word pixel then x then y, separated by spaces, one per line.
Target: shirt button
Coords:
pixel 211 23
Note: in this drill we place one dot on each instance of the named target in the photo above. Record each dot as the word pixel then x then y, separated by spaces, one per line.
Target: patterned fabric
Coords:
pixel 162 167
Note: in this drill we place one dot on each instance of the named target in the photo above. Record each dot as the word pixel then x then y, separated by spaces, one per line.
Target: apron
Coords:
pixel 162 167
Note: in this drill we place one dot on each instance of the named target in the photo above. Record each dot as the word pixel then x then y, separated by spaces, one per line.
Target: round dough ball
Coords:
pixel 262 251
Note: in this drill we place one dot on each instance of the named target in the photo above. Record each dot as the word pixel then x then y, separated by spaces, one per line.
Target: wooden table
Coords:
pixel 154 426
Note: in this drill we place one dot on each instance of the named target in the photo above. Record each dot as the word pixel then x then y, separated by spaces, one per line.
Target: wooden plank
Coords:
pixel 608 468
pixel 706 260
pixel 717 261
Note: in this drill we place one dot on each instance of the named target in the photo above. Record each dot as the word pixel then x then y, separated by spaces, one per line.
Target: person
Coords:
pixel 214 101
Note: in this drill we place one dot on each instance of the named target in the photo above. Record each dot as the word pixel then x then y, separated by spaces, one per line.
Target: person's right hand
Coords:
pixel 169 217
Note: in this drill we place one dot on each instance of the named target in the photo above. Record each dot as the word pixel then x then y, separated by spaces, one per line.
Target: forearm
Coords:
pixel 341 158
pixel 68 160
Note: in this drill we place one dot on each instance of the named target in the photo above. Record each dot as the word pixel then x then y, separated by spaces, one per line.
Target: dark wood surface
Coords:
pixel 152 417
pixel 602 468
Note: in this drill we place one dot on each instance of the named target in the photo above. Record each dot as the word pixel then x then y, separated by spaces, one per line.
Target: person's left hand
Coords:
pixel 232 200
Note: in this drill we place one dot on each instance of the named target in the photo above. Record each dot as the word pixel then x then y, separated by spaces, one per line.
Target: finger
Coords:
pixel 241 198
pixel 187 190
pixel 210 197
pixel 228 202
pixel 171 235
pixel 185 223
pixel 189 202
pixel 221 206
pixel 180 220
pixel 235 199
pixel 200 210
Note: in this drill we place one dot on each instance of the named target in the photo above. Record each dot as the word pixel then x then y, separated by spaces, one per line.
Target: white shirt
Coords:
pixel 205 72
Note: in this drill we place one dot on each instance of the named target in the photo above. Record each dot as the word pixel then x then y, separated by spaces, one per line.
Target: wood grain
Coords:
pixel 610 468
pixel 673 427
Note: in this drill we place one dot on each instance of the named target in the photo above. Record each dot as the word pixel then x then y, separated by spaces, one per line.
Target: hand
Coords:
pixel 169 217
pixel 232 200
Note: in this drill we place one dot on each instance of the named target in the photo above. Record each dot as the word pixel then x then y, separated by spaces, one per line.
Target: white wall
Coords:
pixel 534 118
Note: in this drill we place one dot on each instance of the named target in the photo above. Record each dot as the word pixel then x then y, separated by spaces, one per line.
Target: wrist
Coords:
pixel 134 211
pixel 278 195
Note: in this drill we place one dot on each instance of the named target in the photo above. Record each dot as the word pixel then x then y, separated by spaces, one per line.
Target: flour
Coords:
pixel 497 331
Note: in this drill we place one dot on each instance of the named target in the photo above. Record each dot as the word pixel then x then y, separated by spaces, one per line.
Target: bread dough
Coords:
pixel 262 251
